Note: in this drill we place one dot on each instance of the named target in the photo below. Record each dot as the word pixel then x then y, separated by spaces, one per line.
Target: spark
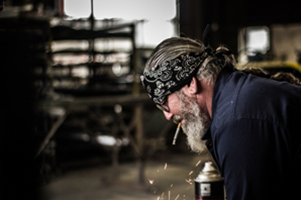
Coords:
pixel 198 163
pixel 171 185
pixel 168 195
pixel 190 172
pixel 165 166
pixel 151 181
pixel 162 194
pixel 189 181
pixel 177 197
pixel 188 188
pixel 158 170
pixel 158 198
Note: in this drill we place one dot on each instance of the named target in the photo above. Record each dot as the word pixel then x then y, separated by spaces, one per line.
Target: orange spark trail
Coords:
pixel 165 166
pixel 198 163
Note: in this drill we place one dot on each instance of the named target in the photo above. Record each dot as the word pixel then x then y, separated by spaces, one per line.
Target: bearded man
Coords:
pixel 250 124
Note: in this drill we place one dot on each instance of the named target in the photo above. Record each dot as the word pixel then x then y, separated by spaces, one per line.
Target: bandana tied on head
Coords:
pixel 171 75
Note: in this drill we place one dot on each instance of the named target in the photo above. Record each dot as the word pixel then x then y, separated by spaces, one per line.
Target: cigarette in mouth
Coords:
pixel 176 134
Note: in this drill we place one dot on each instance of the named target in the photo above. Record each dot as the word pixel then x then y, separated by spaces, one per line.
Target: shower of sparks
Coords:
pixel 198 163
pixel 189 181
pixel 171 185
pixel 190 173
pixel 165 166
pixel 151 181
pixel 177 197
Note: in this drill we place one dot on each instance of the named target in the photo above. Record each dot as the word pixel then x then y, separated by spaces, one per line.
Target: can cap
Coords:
pixel 208 174
pixel 208 167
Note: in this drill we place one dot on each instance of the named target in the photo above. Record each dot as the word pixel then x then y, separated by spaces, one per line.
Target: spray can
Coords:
pixel 209 184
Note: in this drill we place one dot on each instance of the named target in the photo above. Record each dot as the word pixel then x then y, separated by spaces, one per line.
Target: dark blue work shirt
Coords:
pixel 255 136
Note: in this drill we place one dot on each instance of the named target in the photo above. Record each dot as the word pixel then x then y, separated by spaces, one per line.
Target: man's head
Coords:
pixel 171 66
pixel 176 76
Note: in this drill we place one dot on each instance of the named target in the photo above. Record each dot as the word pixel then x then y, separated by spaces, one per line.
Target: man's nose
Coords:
pixel 168 115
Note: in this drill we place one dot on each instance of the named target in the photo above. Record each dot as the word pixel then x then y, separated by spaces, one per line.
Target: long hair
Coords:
pixel 280 76
pixel 174 47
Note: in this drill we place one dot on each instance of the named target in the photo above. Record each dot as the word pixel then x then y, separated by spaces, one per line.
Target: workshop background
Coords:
pixel 75 122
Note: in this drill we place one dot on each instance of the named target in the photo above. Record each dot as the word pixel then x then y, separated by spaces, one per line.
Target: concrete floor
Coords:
pixel 166 179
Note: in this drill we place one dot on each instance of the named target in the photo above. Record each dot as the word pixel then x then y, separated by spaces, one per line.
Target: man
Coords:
pixel 250 124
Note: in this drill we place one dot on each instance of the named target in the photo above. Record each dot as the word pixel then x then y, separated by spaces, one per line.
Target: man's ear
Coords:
pixel 193 86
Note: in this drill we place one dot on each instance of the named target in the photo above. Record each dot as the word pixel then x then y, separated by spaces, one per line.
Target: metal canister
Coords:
pixel 209 184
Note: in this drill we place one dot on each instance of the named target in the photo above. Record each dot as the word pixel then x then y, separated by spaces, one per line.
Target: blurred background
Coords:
pixel 75 121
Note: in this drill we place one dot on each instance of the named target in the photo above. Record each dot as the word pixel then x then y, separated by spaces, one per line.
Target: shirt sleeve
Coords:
pixel 255 159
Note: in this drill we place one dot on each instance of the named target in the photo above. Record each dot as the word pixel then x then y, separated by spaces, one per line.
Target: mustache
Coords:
pixel 177 119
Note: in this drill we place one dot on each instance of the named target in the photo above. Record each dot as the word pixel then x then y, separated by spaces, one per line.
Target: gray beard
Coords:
pixel 197 120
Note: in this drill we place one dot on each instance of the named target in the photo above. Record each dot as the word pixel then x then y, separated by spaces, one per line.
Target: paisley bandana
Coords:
pixel 171 75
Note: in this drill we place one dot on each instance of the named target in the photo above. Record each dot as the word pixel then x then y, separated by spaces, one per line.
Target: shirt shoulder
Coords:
pixel 245 96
